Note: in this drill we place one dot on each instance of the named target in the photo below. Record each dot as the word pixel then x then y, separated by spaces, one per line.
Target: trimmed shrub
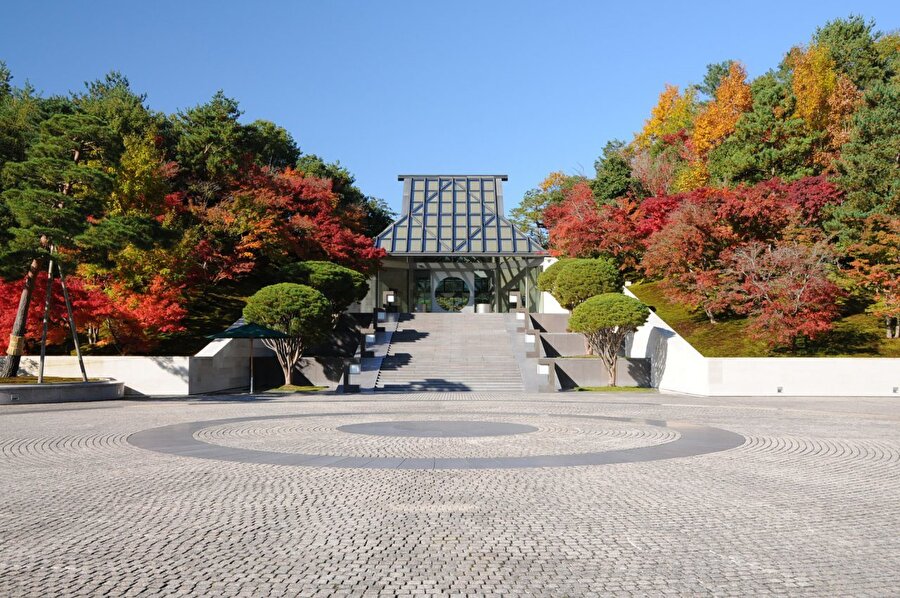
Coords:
pixel 300 311
pixel 580 279
pixel 340 285
pixel 547 279
pixel 605 321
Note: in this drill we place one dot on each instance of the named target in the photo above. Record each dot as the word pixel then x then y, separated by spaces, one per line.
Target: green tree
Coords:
pixel 605 320
pixel 579 279
pixel 768 141
pixel 341 286
pixel 299 311
pixel 50 196
pixel 546 281
pixel 612 173
pixel 210 144
pixel 870 162
pixel 20 113
pixel 379 216
pixel 112 101
pixel 271 145
pixel 851 43
pixel 715 72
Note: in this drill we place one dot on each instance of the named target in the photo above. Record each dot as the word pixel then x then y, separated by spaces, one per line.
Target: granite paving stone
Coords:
pixel 803 503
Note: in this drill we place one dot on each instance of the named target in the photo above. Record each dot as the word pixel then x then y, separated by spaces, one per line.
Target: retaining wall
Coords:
pixel 677 367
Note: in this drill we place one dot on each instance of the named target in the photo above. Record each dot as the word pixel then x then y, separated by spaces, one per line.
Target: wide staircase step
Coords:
pixel 450 352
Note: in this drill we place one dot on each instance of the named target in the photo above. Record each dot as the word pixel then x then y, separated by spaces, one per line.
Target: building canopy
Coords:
pixel 455 216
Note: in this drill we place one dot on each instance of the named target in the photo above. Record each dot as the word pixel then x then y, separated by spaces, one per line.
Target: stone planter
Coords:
pixel 61 392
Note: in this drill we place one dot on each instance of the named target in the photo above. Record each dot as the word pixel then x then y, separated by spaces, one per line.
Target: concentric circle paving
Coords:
pixel 436 443
pixel 438 429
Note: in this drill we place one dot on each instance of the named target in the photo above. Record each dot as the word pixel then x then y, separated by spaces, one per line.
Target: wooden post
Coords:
pixel 47 302
pixel 65 290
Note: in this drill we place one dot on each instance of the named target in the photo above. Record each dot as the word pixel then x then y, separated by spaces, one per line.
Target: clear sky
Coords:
pixel 515 87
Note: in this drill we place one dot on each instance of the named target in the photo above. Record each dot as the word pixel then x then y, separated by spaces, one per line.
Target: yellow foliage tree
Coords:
pixel 555 181
pixel 720 116
pixel 845 98
pixel 672 113
pixel 813 82
pixel 690 176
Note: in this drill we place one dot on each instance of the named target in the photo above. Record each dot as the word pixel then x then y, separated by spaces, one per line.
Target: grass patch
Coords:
pixel 47 379
pixel 613 389
pixel 856 335
pixel 294 388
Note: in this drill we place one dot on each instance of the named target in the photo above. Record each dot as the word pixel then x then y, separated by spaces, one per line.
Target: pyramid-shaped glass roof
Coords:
pixel 455 215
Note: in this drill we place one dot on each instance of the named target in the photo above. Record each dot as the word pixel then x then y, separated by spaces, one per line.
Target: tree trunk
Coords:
pixel 17 336
pixel 612 370
pixel 286 371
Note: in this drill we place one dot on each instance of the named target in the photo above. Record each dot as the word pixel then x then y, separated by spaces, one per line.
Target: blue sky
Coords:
pixel 515 87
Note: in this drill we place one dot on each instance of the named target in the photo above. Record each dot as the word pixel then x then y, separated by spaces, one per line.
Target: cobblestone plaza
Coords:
pixel 575 494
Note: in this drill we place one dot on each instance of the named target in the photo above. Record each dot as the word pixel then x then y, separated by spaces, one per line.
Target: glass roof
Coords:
pixel 454 215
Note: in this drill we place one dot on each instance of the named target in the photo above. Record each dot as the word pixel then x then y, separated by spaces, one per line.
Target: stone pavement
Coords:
pixel 302 496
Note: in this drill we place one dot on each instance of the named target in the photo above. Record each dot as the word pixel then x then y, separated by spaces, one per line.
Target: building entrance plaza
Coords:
pixel 467 493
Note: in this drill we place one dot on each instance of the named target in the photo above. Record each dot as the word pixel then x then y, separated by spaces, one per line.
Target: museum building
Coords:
pixel 453 250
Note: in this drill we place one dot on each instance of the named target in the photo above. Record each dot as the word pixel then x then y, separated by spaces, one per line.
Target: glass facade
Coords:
pixel 448 215
pixel 452 248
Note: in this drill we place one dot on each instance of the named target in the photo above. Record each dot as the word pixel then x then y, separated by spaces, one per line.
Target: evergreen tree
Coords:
pixel 851 44
pixel 769 141
pixel 869 171
pixel 613 173
pixel 50 196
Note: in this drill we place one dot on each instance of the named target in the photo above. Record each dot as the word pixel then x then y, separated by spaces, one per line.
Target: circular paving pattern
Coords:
pixel 438 429
pixel 429 442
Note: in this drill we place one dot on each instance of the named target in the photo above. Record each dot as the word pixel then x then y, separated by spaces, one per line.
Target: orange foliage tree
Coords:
pixel 673 112
pixel 720 116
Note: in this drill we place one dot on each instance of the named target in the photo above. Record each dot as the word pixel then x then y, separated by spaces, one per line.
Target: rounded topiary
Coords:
pixel 578 280
pixel 297 310
pixel 605 321
pixel 547 279
pixel 342 286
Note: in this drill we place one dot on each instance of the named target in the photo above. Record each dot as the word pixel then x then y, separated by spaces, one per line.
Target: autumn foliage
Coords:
pixel 151 213
pixel 772 199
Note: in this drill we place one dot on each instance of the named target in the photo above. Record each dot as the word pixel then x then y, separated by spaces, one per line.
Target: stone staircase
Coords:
pixel 450 352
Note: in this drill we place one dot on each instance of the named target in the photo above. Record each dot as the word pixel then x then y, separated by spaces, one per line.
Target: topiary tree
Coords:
pixel 605 320
pixel 340 285
pixel 578 280
pixel 297 310
pixel 547 279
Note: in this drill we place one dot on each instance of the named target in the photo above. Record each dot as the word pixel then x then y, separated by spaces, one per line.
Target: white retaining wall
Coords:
pixel 223 364
pixel 677 367
pixel 164 375
pixel 549 305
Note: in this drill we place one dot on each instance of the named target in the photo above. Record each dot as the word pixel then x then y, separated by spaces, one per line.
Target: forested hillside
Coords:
pixel 162 222
pixel 771 201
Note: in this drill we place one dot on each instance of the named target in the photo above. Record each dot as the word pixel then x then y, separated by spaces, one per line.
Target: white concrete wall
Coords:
pixel 804 376
pixel 163 375
pixel 549 305
pixel 223 364
pixel 677 367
